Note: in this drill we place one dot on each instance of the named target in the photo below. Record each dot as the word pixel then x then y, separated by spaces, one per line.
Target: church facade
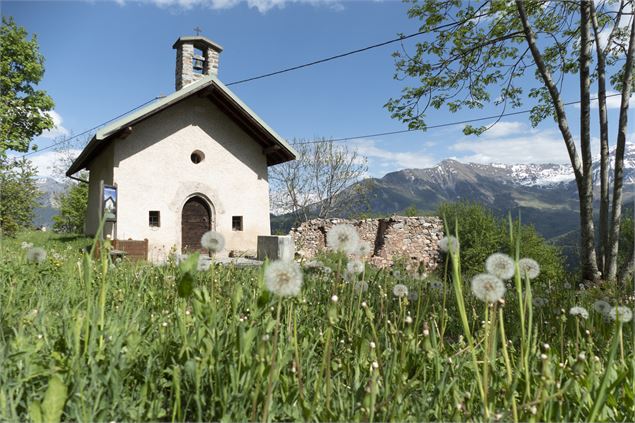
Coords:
pixel 192 161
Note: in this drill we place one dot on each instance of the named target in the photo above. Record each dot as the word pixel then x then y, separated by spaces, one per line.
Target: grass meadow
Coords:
pixel 84 339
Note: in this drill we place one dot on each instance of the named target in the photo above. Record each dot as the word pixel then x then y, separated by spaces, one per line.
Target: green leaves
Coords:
pixel 23 109
pixel 18 194
pixel 72 211
pixel 185 280
pixel 54 400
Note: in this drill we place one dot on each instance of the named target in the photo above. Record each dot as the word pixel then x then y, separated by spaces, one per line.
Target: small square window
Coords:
pixel 155 218
pixel 237 223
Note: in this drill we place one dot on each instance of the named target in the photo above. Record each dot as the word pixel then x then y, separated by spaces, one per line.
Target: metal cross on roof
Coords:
pixel 198 31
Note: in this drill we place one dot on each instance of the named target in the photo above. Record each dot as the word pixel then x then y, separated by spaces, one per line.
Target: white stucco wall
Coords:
pixel 153 171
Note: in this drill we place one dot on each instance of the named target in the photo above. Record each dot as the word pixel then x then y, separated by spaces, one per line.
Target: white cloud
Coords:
pixel 536 147
pixel 58 130
pixel 47 161
pixel 263 6
pixel 383 159
pixel 504 129
pixel 613 102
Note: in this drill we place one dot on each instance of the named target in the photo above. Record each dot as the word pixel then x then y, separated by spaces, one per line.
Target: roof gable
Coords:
pixel 274 146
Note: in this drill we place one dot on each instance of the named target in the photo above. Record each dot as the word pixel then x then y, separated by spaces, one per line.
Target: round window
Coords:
pixel 197 157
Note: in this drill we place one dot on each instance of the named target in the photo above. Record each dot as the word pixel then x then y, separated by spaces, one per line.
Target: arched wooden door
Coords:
pixel 196 219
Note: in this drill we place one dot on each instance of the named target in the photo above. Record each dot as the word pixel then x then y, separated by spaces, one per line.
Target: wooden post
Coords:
pixel 101 206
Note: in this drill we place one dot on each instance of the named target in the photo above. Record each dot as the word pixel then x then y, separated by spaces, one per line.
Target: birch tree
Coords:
pixel 319 182
pixel 478 53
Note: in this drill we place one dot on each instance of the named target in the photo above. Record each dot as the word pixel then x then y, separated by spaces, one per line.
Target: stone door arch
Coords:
pixel 196 219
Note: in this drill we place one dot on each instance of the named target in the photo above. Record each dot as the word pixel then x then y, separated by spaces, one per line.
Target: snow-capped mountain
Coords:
pixel 545 194
pixel 551 175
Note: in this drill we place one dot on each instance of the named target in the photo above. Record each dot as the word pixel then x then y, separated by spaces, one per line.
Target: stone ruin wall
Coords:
pixel 411 239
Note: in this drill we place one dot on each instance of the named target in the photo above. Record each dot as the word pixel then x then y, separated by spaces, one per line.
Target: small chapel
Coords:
pixel 193 161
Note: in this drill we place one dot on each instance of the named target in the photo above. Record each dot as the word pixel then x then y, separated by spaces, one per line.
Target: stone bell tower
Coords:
pixel 196 57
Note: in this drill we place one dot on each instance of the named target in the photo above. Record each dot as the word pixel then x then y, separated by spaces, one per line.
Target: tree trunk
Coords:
pixel 618 177
pixel 604 145
pixel 587 247
pixel 585 192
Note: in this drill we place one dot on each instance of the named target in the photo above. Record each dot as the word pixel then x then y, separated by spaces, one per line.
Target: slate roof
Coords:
pixel 274 146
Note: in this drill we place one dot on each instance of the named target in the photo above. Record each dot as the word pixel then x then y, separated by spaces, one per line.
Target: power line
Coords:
pixel 242 81
pixel 65 140
pixel 348 53
pixel 440 125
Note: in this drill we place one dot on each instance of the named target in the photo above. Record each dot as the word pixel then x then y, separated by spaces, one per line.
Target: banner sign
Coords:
pixel 109 199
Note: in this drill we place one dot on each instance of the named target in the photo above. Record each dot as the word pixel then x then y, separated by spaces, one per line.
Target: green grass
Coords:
pixel 86 340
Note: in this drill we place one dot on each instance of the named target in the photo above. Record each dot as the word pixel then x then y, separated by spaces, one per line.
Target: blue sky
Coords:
pixel 104 58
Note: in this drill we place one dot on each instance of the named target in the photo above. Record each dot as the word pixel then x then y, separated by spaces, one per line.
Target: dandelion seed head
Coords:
pixel 413 296
pixel 36 255
pixel 579 312
pixel 601 307
pixel 488 287
pixel 436 285
pixel 449 244
pixel 375 365
pixel 408 320
pixel 528 267
pixel 400 290
pixel 372 345
pixel 621 313
pixel 364 249
pixel 283 278
pixel 361 286
pixel 355 266
pixel 343 238
pixel 334 298
pixel 500 265
pixel 213 241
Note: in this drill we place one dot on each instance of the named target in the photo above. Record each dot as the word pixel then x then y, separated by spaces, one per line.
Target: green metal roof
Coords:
pixel 283 150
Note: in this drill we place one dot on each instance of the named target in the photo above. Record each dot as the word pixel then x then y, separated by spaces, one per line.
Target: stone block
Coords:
pixel 275 247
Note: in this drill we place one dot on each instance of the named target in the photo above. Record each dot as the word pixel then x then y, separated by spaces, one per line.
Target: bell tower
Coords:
pixel 196 57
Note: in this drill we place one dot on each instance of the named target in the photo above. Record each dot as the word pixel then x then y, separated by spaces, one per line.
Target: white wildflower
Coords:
pixel 334 298
pixel 343 238
pixel 488 287
pixel 528 267
pixel 283 278
pixel 213 241
pixel 449 244
pixel 579 311
pixel 36 255
pixel 621 313
pixel 400 290
pixel 500 265
pixel 408 320
pixel 355 266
